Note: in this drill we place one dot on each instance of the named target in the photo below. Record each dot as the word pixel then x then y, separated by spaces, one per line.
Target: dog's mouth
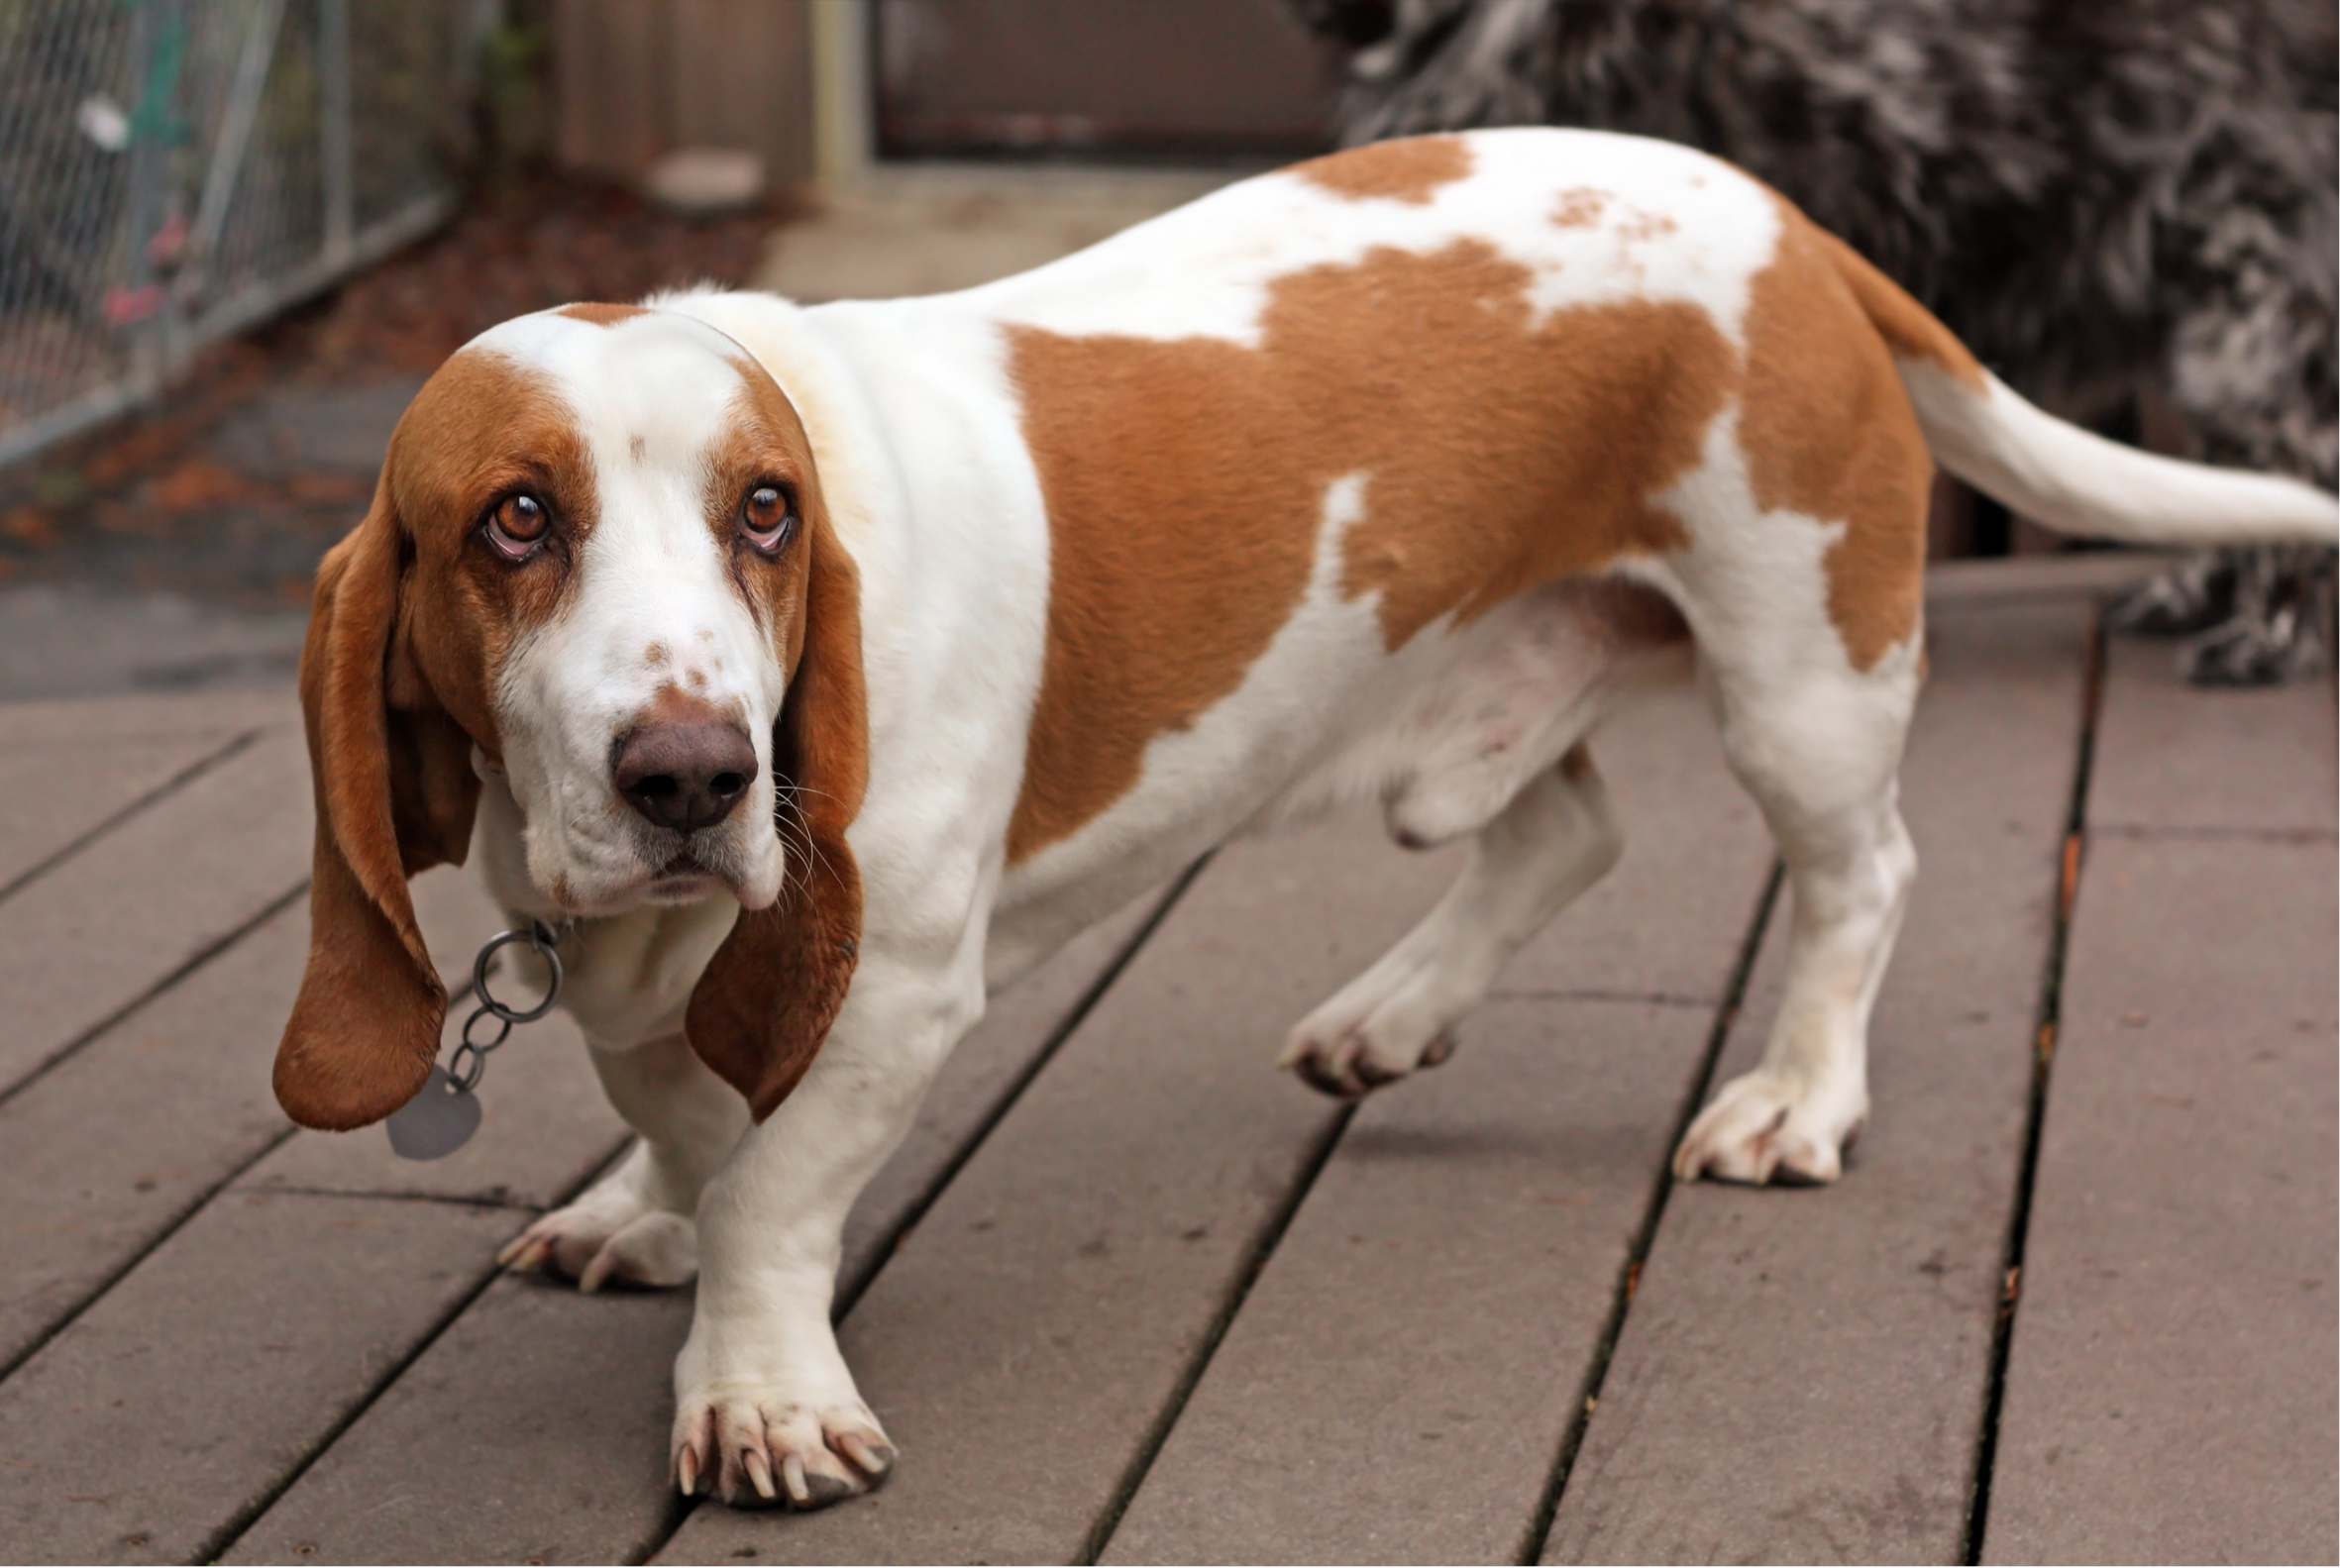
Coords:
pixel 683 878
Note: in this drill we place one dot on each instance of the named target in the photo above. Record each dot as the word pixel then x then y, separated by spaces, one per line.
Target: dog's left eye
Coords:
pixel 767 520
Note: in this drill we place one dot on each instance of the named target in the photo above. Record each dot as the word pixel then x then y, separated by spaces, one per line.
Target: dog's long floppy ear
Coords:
pixel 768 996
pixel 396 794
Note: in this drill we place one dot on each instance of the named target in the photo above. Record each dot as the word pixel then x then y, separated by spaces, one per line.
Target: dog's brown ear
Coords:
pixel 768 996
pixel 396 794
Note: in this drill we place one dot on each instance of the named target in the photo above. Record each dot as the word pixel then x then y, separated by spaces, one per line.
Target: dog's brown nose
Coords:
pixel 686 775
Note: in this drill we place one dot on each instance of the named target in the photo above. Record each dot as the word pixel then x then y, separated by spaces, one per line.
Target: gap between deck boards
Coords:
pixel 1629 1276
pixel 2071 866
pixel 169 787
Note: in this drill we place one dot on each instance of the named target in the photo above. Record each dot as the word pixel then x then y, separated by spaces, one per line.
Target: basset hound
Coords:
pixel 821 669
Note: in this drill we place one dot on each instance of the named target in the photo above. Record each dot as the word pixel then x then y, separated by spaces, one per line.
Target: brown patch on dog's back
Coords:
pixel 1580 208
pixel 601 315
pixel 1410 170
pixel 1186 482
pixel 1829 432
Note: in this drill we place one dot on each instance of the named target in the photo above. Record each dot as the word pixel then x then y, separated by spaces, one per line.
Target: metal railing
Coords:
pixel 174 171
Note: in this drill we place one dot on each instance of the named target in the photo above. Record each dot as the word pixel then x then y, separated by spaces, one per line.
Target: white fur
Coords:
pixel 916 430
pixel 2082 483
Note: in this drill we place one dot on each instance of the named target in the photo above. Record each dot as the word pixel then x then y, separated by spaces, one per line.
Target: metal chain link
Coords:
pixel 470 1061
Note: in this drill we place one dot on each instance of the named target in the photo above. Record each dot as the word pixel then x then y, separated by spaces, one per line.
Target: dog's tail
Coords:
pixel 2058 473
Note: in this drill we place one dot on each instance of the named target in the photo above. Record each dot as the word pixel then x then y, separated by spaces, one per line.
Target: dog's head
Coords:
pixel 598 563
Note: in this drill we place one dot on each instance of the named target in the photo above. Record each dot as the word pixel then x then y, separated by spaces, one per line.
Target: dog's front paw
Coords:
pixel 757 1447
pixel 610 1233
pixel 1761 1130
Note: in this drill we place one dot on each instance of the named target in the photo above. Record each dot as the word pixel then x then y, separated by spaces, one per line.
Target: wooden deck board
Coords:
pixel 1801 1375
pixel 181 1087
pixel 62 791
pixel 551 1411
pixel 191 1391
pixel 91 937
pixel 2171 1381
pixel 175 1373
pixel 115 1146
pixel 1397 1385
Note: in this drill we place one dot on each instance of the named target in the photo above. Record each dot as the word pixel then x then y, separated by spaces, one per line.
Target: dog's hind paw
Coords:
pixel 1761 1131
pixel 753 1451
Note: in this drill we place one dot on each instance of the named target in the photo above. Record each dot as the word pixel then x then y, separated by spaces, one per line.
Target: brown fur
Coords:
pixel 1907 327
pixel 603 315
pixel 1185 479
pixel 1828 433
pixel 413 621
pixel 1580 208
pixel 1410 170
pixel 765 1003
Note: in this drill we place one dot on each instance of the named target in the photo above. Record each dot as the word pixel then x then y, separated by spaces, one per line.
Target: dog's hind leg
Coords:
pixel 637 1224
pixel 1555 840
pixel 1819 750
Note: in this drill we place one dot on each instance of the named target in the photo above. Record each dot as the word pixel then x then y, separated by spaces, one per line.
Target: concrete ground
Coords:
pixel 932 229
pixel 226 622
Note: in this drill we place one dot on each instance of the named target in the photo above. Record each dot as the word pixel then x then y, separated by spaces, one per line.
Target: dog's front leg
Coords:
pixel 765 1409
pixel 635 1224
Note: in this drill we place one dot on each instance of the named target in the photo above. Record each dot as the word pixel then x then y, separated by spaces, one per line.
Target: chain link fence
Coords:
pixel 174 171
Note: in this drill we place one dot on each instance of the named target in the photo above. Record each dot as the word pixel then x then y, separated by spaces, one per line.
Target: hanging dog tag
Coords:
pixel 442 1118
pixel 436 1123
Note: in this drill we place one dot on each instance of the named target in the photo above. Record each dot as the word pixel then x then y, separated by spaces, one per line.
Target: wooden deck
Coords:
pixel 1127 1294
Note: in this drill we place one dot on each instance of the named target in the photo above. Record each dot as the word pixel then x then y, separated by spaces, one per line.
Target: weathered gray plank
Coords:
pixel 206 1444
pixel 84 720
pixel 1801 1375
pixel 1028 1334
pixel 2172 1382
pixel 81 943
pixel 180 1089
pixel 1397 1385
pixel 183 1396
pixel 181 1092
pixel 63 791
pixel 533 1430
pixel 110 1150
pixel 2197 758
pixel 549 1411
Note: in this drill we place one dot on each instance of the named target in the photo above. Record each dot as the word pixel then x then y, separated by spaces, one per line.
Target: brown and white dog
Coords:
pixel 825 669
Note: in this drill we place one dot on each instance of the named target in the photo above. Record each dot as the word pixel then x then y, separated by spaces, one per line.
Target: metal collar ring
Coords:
pixel 538 936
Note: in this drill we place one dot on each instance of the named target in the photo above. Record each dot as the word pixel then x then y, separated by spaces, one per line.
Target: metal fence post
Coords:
pixel 174 171
pixel 235 137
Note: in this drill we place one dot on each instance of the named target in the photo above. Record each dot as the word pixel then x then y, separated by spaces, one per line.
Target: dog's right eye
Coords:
pixel 517 526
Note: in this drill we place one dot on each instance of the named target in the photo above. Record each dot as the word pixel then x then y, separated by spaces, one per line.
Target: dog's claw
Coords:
pixel 759 1471
pixel 780 1452
pixel 872 1459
